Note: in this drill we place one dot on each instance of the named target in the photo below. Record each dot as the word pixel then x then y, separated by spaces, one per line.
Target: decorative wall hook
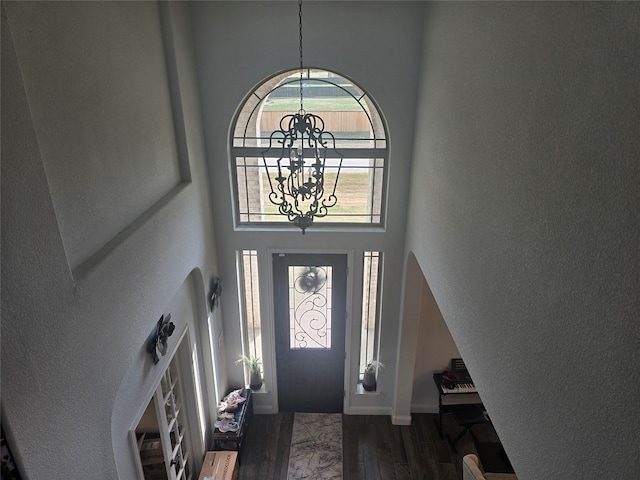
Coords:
pixel 157 342
pixel 215 292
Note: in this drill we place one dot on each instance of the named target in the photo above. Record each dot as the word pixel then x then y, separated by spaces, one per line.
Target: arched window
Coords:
pixel 348 113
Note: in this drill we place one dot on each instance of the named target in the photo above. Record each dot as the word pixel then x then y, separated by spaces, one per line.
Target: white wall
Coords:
pixel 377 45
pixel 142 377
pixel 523 208
pixel 524 220
pixel 83 120
pixel 102 229
pixel 434 350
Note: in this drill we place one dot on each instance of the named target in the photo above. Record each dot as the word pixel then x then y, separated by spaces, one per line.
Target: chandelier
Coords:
pixel 300 147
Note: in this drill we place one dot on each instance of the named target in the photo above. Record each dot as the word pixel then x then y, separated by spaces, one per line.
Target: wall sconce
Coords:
pixel 215 292
pixel 157 342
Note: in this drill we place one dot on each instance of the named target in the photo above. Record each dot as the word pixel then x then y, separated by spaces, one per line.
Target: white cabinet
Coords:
pixel 162 436
pixel 169 400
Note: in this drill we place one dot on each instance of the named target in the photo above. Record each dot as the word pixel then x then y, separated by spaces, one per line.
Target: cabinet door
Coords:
pixel 172 419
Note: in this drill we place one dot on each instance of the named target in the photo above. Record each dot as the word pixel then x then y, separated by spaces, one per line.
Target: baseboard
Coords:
pixel 363 410
pixel 264 409
pixel 401 419
pixel 425 408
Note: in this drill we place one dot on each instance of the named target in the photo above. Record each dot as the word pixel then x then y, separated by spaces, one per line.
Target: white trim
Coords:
pixel 264 409
pixel 207 358
pixel 378 133
pixel 425 408
pixel 265 274
pixel 242 310
pixel 268 344
pixel 401 419
pixel 361 391
pixel 133 442
pixel 193 436
pixel 160 368
pixel 348 325
pixel 362 410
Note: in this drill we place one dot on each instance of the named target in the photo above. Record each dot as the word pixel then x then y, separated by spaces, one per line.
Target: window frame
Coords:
pixel 363 355
pixel 251 109
pixel 255 314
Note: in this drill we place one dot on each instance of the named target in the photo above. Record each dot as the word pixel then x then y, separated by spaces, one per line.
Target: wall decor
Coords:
pixel 215 292
pixel 8 471
pixel 157 342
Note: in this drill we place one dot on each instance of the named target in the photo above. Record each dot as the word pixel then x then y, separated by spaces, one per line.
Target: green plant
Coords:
pixel 371 366
pixel 253 363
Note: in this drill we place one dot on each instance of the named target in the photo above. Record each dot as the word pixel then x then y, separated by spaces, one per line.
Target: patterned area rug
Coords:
pixel 316 447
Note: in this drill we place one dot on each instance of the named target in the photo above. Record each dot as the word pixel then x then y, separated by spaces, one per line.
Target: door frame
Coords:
pixel 270 349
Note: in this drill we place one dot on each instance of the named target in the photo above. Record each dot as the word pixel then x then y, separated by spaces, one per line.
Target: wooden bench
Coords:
pixel 235 440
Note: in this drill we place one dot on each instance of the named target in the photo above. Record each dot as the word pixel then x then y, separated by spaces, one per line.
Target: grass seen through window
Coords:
pixel 352 193
pixel 313 104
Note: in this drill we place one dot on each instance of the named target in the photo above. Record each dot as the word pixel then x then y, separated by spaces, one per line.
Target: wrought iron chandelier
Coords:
pixel 300 147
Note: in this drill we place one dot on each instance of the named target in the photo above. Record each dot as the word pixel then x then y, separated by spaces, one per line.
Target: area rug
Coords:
pixel 316 447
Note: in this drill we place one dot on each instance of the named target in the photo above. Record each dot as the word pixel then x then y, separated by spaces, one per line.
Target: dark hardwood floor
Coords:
pixel 373 448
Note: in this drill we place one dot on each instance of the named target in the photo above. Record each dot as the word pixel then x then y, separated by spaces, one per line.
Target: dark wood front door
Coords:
pixel 310 310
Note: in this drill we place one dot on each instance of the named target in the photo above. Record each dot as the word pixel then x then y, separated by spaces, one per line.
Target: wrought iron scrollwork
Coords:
pixel 298 188
pixel 311 322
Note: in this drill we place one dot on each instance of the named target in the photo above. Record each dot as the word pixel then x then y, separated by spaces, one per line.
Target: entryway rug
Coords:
pixel 316 447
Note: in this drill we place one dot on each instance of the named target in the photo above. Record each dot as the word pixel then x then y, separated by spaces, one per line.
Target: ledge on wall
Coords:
pixel 361 391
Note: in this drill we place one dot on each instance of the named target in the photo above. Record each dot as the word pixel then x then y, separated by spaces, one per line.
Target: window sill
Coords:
pixel 361 391
pixel 261 391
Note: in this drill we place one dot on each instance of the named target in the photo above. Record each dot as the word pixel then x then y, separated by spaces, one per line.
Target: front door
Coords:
pixel 310 310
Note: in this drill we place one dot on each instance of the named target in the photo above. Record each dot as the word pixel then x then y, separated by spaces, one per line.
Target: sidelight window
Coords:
pixel 370 321
pixel 250 304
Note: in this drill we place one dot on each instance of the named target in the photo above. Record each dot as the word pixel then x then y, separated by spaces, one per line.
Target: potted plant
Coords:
pixel 255 374
pixel 369 379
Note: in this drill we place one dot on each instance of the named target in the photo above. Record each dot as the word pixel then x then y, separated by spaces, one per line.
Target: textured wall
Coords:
pixel 69 342
pixel 106 162
pixel 434 350
pixel 240 44
pixel 525 221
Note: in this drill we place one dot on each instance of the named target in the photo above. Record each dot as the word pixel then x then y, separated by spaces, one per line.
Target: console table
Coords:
pixel 235 440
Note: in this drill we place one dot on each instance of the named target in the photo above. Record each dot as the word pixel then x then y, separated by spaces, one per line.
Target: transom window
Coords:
pixel 349 114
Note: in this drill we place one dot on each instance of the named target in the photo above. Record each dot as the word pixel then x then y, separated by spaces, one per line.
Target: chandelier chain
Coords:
pixel 296 180
pixel 301 64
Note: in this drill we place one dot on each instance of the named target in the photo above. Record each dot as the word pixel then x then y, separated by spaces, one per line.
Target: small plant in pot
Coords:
pixel 255 374
pixel 369 379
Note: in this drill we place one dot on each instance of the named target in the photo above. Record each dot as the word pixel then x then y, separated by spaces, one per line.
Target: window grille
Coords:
pixel 349 114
